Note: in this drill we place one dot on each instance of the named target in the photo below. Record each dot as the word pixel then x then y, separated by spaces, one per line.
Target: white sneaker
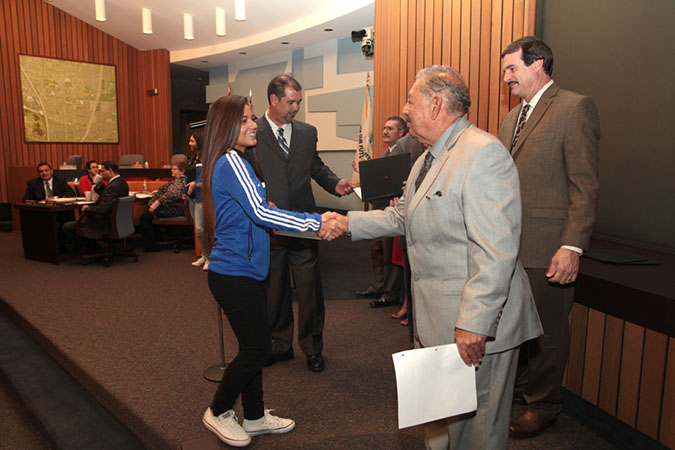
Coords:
pixel 226 427
pixel 268 424
pixel 200 262
pixel 206 264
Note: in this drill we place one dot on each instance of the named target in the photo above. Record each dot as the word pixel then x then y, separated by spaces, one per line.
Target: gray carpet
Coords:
pixel 138 336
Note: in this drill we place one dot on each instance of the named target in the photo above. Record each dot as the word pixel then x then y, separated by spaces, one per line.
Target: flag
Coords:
pixel 364 149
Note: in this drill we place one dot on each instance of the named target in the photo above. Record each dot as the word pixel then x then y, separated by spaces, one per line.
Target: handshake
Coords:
pixel 333 225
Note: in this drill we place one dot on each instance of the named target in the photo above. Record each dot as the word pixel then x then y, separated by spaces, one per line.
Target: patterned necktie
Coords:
pixel 282 140
pixel 48 190
pixel 521 124
pixel 428 159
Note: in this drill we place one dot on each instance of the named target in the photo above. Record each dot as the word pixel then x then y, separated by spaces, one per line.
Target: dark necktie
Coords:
pixel 48 190
pixel 282 140
pixel 428 159
pixel 521 124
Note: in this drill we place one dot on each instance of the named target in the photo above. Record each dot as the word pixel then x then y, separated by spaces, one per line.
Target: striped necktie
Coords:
pixel 428 159
pixel 282 140
pixel 521 124
pixel 48 190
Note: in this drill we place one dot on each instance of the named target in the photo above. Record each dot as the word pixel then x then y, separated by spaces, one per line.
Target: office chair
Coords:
pixel 131 159
pixel 122 221
pixel 74 160
pixel 178 157
pixel 180 222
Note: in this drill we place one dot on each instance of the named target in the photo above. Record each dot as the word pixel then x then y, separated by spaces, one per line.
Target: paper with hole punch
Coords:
pixel 433 383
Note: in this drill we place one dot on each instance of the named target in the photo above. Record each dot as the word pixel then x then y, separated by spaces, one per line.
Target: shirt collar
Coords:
pixel 537 97
pixel 110 180
pixel 286 127
pixel 435 149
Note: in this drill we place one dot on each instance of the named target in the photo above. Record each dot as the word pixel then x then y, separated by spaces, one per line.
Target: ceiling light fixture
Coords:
pixel 100 10
pixel 188 27
pixel 146 16
pixel 240 10
pixel 220 22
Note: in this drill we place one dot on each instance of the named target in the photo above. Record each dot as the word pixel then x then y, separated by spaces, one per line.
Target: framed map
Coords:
pixel 68 101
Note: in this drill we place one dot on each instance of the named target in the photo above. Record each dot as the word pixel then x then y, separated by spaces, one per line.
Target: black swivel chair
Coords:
pixel 122 221
pixel 180 222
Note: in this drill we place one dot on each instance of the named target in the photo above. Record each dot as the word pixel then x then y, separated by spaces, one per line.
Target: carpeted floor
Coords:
pixel 138 336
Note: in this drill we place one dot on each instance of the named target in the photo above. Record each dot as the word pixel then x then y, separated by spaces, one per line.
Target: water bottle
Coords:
pixel 145 187
pixel 146 165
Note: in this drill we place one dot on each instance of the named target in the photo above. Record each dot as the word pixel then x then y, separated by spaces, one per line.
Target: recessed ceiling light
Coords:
pixel 327 29
pixel 284 43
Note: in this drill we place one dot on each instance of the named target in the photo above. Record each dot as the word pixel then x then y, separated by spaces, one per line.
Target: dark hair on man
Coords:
pixel 448 84
pixel 198 134
pixel 402 124
pixel 279 84
pixel 89 163
pixel 181 165
pixel 109 165
pixel 533 49
pixel 223 124
pixel 43 164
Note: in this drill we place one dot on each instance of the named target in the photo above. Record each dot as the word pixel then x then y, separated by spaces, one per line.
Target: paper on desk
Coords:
pixel 357 191
pixel 433 383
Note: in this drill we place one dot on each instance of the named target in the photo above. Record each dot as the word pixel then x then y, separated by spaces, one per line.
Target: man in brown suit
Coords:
pixel 553 137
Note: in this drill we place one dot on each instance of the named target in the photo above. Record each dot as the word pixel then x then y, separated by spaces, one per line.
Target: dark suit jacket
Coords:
pixel 96 223
pixel 289 179
pixel 35 189
pixel 557 160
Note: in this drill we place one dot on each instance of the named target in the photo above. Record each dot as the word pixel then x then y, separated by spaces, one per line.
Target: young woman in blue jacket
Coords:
pixel 237 220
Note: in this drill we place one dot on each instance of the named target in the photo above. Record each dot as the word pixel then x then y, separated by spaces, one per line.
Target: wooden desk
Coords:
pixel 41 230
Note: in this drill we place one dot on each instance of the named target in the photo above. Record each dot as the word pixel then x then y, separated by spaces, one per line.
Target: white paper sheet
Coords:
pixel 357 191
pixel 433 383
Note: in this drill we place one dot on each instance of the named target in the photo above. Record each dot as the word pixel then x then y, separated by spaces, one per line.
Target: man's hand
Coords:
pixel 564 267
pixel 471 347
pixel 344 187
pixel 97 179
pixel 84 207
pixel 191 187
pixel 355 166
pixel 333 225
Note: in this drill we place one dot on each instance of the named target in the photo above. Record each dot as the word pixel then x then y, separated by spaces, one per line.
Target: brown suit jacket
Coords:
pixel 557 160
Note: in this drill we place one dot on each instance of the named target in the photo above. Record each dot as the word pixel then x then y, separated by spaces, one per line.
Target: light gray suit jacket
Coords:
pixel 463 231
pixel 557 160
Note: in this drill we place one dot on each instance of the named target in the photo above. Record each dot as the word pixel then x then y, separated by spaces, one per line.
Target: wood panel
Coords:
pixel 466 34
pixel 37 28
pixel 593 357
pixel 667 432
pixel 611 364
pixel 631 363
pixel 575 364
pixel 651 384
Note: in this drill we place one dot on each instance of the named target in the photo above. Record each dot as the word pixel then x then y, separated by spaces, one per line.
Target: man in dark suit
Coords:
pixel 287 153
pixel 46 185
pixel 96 222
pixel 553 138
pixel 385 280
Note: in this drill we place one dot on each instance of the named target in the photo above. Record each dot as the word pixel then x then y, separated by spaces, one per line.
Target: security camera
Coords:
pixel 365 36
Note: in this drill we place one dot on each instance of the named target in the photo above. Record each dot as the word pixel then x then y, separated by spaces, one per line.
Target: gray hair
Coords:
pixel 448 84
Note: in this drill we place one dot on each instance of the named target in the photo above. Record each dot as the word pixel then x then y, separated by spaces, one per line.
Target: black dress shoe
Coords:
pixel 382 302
pixel 283 356
pixel 370 292
pixel 315 362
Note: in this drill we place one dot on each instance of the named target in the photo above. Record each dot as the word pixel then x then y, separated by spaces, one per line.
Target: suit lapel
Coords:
pixel 536 115
pixel 266 135
pixel 436 168
pixel 296 137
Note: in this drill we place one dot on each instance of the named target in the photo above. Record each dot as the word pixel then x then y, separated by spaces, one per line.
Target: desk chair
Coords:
pixel 131 159
pixel 74 160
pixel 182 221
pixel 178 157
pixel 122 221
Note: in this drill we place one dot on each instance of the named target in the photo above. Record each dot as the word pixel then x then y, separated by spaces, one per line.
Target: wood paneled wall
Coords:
pixel 34 27
pixel 468 35
pixel 625 369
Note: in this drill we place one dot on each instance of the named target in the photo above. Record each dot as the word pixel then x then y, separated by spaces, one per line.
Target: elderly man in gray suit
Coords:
pixel 461 217
pixel 553 137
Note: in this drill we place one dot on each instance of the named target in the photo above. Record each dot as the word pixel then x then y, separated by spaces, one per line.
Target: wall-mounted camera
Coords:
pixel 366 37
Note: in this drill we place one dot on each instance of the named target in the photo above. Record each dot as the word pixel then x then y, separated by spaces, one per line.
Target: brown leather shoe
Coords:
pixel 529 424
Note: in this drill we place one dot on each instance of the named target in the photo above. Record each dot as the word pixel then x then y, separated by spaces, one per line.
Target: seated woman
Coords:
pixel 160 201
pixel 88 181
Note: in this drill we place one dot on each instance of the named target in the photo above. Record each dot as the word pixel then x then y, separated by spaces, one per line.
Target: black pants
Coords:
pixel 148 231
pixel 244 302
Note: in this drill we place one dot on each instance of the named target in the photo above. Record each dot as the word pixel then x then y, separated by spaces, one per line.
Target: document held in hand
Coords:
pixel 433 383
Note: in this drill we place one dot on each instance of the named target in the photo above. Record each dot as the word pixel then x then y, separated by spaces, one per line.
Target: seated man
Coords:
pixel 96 222
pixel 160 201
pixel 46 185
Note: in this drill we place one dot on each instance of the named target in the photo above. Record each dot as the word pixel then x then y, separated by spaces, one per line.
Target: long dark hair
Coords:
pixel 223 124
